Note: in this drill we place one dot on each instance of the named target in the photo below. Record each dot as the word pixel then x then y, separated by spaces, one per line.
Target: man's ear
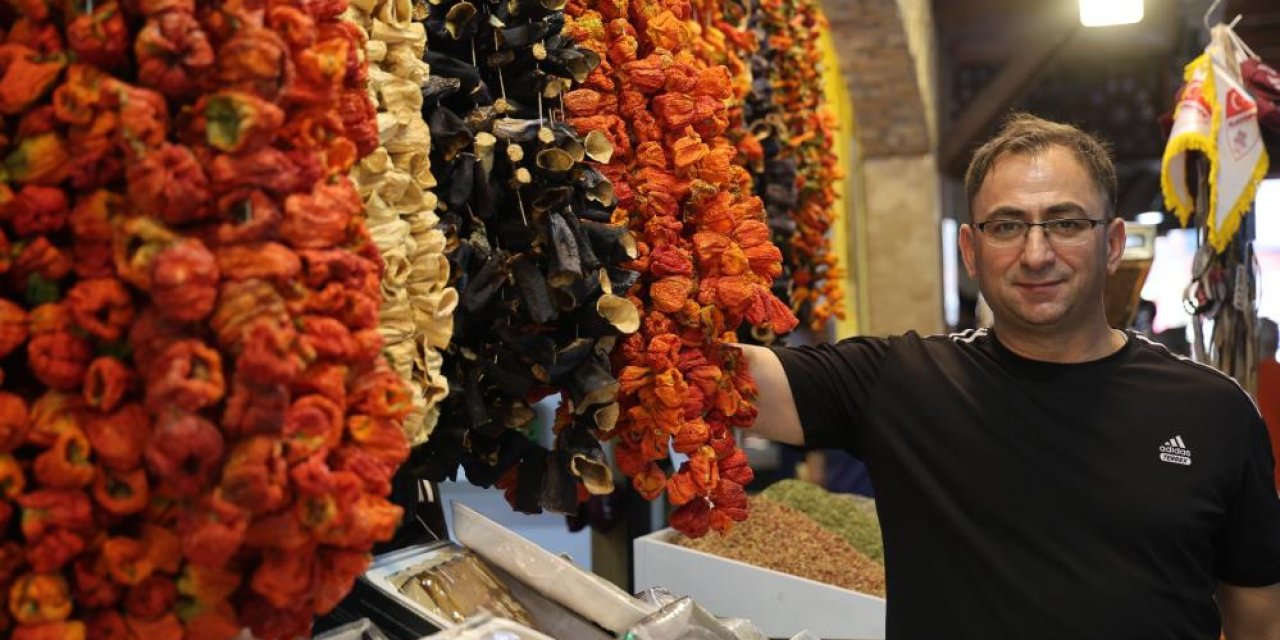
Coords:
pixel 1116 239
pixel 967 249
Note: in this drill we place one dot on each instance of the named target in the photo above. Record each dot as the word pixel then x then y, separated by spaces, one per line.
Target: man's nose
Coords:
pixel 1037 253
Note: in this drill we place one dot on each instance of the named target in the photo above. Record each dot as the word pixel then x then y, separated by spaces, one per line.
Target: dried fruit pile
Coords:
pixel 804 128
pixel 395 182
pixel 198 429
pixel 705 258
pixel 534 254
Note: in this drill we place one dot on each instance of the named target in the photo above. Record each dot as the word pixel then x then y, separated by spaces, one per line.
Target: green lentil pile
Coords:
pixel 849 516
pixel 783 539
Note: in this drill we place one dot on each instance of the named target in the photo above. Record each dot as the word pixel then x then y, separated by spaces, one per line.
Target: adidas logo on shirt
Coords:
pixel 1175 451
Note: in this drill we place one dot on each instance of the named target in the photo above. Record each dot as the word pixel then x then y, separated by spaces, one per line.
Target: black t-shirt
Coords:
pixel 1025 499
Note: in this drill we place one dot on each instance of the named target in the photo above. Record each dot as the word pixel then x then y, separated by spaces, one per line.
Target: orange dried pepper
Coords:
pixel 59 359
pixel 121 494
pixel 127 560
pixel 212 531
pixel 13 327
pixel 66 630
pixel 102 307
pixel 25 76
pixel 119 438
pixel 184 281
pixel 170 184
pixel 38 159
pixel 65 465
pixel 184 453
pixel 186 375
pixel 312 425
pixel 37 598
pixel 36 210
pixel 255 477
pixel 106 382
pixel 172 52
pixel 99 37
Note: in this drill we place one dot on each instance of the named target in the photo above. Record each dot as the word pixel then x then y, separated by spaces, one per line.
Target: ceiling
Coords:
pixel 998 55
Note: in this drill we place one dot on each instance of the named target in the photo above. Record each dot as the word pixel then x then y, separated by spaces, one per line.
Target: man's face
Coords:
pixel 1040 284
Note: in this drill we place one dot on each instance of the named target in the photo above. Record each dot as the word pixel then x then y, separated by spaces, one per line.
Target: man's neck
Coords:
pixel 1092 343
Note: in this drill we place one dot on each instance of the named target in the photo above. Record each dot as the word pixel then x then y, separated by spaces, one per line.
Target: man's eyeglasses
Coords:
pixel 1062 232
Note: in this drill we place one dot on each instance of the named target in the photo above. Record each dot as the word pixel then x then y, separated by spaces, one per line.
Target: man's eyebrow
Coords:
pixel 1065 207
pixel 1006 212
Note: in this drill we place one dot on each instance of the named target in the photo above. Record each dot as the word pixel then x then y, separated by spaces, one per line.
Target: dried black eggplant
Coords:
pixel 534 290
pixel 591 384
pixel 566 263
pixel 449 133
pixel 559 485
pixel 486 282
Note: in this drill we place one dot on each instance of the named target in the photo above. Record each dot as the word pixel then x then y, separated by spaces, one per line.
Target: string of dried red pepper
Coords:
pixel 197 427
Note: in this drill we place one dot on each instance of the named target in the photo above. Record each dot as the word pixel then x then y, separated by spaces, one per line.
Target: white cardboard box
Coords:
pixel 781 605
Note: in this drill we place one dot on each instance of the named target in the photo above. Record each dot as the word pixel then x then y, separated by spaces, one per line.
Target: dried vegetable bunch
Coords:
pixel 705 259
pixel 806 127
pixel 773 168
pixel 197 428
pixel 534 254
pixel 395 183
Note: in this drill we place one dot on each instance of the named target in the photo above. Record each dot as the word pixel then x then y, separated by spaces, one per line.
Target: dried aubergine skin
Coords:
pixel 534 290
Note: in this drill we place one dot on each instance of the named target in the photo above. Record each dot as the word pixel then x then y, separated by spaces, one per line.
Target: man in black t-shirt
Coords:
pixel 1049 477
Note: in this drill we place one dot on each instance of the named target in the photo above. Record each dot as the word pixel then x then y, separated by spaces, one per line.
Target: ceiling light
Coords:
pixel 1102 13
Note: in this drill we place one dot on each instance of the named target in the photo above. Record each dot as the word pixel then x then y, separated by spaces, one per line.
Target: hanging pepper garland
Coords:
pixel 804 128
pixel 197 428
pixel 533 255
pixel 395 182
pixel 704 255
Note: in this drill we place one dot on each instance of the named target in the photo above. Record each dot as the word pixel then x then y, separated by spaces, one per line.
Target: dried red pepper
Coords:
pixel 100 37
pixel 119 438
pixel 121 494
pixel 172 52
pixel 186 375
pixel 184 453
pixel 38 598
pixel 59 359
pixel 25 76
pixel 102 307
pixel 170 184
pixel 106 383
pixel 65 465
pixel 13 327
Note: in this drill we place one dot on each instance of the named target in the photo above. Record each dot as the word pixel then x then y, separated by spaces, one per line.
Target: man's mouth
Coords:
pixel 1038 286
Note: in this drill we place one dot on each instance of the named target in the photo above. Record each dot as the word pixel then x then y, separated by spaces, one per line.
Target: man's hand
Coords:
pixel 1250 613
pixel 777 419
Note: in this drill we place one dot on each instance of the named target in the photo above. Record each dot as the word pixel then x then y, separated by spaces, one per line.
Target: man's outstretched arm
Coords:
pixel 778 419
pixel 1250 613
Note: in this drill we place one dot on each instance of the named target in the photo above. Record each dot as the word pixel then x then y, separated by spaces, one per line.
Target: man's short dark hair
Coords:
pixel 1025 134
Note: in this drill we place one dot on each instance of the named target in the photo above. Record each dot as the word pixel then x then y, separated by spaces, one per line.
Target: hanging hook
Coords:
pixel 1212 7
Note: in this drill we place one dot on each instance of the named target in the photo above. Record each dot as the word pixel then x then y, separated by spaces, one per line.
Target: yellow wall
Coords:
pixel 846 237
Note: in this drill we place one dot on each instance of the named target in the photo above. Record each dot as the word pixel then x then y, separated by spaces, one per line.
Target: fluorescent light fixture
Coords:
pixel 1102 13
pixel 1149 217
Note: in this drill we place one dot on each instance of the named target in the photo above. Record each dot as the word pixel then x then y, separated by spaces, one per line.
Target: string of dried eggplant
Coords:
pixel 534 255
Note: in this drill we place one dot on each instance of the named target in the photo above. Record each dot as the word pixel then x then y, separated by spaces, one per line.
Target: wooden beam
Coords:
pixel 1023 67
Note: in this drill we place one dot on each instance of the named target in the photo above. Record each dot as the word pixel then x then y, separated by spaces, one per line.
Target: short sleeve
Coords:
pixel 832 385
pixel 1248 546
